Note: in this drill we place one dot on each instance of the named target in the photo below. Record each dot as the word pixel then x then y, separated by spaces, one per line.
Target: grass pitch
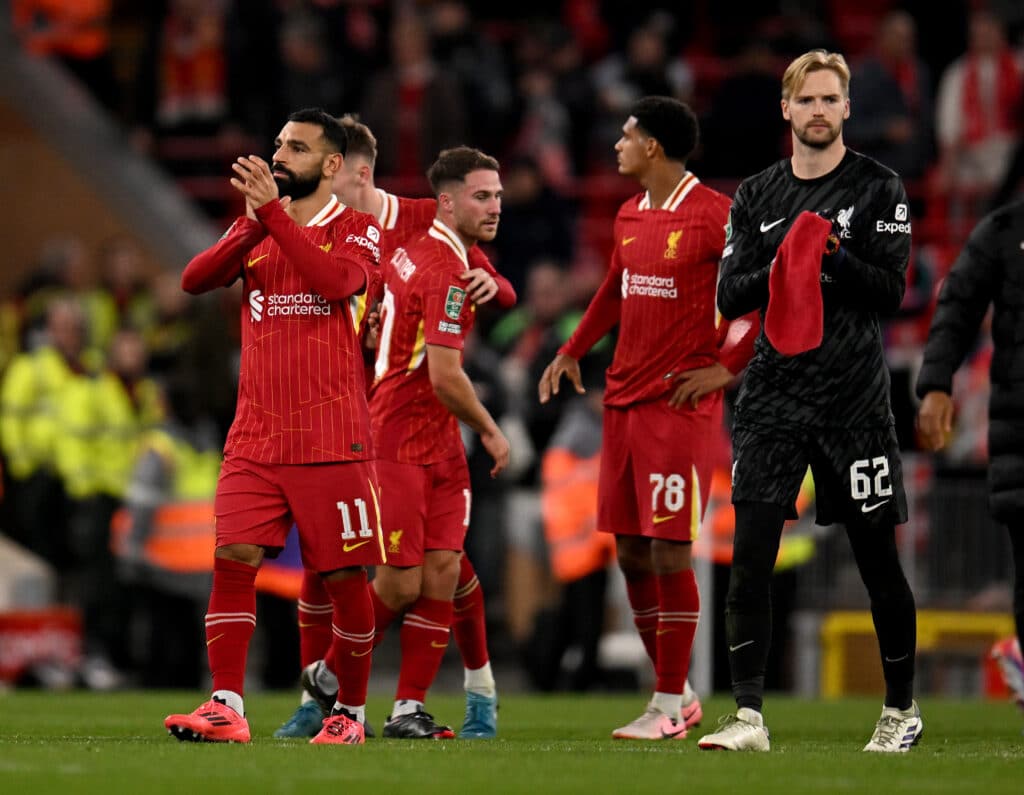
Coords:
pixel 108 744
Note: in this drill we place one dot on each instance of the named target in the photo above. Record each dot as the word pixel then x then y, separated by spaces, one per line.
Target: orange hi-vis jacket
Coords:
pixel 569 510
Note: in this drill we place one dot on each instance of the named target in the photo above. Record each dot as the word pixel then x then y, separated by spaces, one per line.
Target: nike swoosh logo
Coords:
pixel 659 519
pixel 257 259
pixel 662 631
pixel 306 626
pixel 361 653
pixel 627 240
pixel 869 508
pixel 214 640
pixel 347 547
pixel 765 227
pixel 464 609
pixel 897 659
pixel 740 645
pixel 669 735
pixel 436 645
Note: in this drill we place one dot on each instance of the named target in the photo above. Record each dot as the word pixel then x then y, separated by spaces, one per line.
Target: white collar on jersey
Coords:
pixel 675 198
pixel 388 209
pixel 440 231
pixel 331 210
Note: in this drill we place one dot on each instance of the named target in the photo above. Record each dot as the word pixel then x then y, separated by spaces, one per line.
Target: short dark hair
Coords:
pixel 333 131
pixel 670 122
pixel 360 140
pixel 452 165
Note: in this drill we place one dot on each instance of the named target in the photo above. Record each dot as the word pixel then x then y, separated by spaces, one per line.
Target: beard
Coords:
pixel 295 186
pixel 818 143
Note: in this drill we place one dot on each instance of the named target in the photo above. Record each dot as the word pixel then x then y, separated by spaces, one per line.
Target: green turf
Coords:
pixel 88 743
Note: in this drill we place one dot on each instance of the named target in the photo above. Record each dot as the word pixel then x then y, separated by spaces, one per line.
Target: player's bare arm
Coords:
pixel 692 385
pixel 562 364
pixel 935 419
pixel 455 391
pixel 480 285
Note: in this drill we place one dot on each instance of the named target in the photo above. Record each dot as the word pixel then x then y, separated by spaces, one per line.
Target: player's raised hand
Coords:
pixel 692 385
pixel 497 446
pixel 480 285
pixel 935 420
pixel 254 180
pixel 562 364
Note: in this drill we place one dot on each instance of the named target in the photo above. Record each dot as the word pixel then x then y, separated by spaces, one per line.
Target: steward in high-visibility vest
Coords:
pixel 103 421
pixel 33 392
pixel 569 476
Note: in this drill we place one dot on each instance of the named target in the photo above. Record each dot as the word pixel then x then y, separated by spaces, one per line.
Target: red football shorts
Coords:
pixel 656 465
pixel 335 506
pixel 423 507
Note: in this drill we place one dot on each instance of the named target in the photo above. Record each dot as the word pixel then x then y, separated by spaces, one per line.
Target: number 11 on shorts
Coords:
pixel 347 533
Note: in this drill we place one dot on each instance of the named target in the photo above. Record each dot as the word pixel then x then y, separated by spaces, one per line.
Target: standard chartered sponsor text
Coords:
pixel 653 286
pixel 297 304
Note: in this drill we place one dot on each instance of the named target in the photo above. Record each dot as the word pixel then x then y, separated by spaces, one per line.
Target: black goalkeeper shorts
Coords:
pixel 858 476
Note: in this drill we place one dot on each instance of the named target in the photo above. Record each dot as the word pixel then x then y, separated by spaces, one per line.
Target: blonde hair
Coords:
pixel 360 140
pixel 815 61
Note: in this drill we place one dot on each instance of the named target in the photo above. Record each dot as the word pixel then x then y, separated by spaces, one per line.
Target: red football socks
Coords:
pixel 315 611
pixel 424 639
pixel 678 610
pixel 352 645
pixel 643 599
pixel 230 621
pixel 469 623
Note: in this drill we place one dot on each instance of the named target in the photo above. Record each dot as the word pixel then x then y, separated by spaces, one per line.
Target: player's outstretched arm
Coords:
pixel 562 364
pixel 222 263
pixel 455 391
pixel 935 420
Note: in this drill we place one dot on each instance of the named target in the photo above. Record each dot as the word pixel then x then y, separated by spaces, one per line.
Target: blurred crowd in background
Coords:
pixel 118 389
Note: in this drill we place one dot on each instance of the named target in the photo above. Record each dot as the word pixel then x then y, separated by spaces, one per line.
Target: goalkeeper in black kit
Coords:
pixel 819 243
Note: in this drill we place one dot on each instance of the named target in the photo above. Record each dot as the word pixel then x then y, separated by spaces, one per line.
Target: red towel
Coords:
pixel 794 320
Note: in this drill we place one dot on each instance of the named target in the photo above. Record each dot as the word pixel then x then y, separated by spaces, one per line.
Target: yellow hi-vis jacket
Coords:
pixel 33 391
pixel 104 421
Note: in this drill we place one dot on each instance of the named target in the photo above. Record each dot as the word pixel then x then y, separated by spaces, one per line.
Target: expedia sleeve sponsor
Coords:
pixel 367 243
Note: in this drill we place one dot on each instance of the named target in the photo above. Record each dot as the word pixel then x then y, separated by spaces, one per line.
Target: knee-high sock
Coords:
pixel 315 612
pixel 678 610
pixel 352 643
pixel 642 591
pixel 892 608
pixel 230 621
pixel 748 611
pixel 469 622
pixel 424 637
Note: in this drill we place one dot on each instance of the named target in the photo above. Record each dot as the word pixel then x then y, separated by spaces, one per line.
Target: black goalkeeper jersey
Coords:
pixel 844 382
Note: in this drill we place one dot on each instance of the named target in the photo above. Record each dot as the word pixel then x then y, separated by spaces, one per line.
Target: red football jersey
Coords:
pixel 424 303
pixel 301 396
pixel 660 290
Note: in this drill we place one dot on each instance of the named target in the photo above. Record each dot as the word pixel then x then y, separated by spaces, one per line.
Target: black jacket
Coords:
pixel 989 270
